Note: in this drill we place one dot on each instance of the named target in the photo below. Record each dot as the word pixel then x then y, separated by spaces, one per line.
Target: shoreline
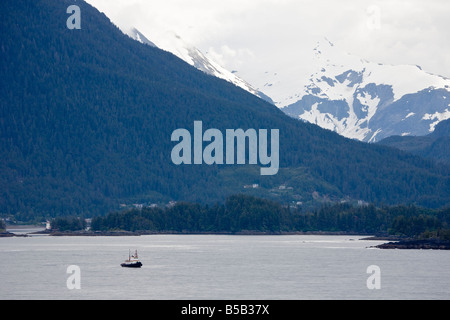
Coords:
pixel 392 242
pixel 8 234
pixel 122 233
pixel 412 244
pixel 149 233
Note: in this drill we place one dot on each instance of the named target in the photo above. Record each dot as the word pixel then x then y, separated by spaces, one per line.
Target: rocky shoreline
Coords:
pixel 428 244
pixel 10 235
pixel 397 242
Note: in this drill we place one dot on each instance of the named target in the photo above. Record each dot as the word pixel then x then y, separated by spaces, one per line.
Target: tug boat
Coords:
pixel 132 262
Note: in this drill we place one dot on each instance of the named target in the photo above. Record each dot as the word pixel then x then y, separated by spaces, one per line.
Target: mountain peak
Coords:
pixel 369 101
pixel 138 36
pixel 174 43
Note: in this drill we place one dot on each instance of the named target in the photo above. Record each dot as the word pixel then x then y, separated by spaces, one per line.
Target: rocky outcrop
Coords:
pixel 429 244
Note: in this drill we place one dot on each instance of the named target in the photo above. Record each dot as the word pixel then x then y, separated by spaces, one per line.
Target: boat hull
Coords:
pixel 131 265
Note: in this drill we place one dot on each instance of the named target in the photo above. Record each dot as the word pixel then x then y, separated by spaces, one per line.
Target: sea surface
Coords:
pixel 218 267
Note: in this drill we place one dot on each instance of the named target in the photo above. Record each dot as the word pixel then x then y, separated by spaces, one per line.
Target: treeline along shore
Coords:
pixel 241 214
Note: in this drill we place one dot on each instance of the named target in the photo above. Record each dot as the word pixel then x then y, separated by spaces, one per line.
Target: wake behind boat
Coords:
pixel 133 261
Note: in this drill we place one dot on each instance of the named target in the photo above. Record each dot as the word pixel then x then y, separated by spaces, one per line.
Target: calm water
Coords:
pixel 218 267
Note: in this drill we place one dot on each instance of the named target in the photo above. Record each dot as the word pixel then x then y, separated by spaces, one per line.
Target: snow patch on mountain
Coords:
pixel 368 101
pixel 437 117
pixel 138 36
pixel 173 43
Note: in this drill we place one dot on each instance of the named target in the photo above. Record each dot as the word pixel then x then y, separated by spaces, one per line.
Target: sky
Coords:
pixel 253 36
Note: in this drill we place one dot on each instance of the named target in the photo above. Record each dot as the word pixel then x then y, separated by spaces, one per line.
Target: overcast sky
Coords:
pixel 251 35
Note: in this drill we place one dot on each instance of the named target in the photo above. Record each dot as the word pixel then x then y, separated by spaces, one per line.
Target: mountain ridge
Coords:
pixel 369 101
pixel 365 113
pixel 175 44
pixel 85 129
pixel 433 146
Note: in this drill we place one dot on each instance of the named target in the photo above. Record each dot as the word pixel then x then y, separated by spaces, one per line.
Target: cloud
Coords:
pixel 234 58
pixel 254 35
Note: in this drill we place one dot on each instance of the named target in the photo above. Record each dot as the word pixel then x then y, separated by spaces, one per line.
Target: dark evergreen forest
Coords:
pixel 247 214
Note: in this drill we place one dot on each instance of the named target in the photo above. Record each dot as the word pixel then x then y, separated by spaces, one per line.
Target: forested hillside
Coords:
pixel 434 146
pixel 86 118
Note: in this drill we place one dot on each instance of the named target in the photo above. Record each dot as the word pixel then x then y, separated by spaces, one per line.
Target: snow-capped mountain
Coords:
pixel 174 44
pixel 369 101
pixel 138 36
pixel 356 98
